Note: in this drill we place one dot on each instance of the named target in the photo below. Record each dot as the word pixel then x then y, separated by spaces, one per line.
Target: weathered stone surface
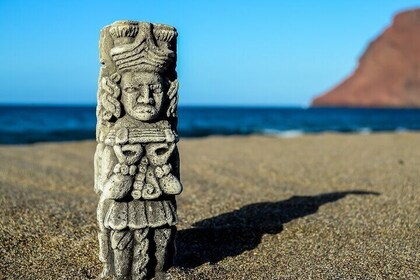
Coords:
pixel 136 159
pixel 388 74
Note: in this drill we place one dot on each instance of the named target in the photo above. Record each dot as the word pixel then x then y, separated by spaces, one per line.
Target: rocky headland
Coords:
pixel 388 74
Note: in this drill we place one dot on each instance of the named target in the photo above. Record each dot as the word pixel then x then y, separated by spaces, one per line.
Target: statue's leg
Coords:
pixel 140 254
pixel 165 250
pixel 104 253
pixel 105 250
pixel 122 245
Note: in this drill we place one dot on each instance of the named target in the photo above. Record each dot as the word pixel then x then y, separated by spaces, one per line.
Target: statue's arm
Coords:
pixel 105 160
pixel 97 166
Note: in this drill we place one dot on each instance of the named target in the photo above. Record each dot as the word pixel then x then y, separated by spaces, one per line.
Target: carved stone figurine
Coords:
pixel 136 159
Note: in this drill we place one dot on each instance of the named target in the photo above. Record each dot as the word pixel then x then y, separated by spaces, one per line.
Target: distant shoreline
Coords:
pixel 216 106
pixel 32 124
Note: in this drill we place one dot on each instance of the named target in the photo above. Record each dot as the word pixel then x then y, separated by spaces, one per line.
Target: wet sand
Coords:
pixel 314 207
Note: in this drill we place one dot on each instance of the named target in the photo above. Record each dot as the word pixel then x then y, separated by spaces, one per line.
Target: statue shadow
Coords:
pixel 231 234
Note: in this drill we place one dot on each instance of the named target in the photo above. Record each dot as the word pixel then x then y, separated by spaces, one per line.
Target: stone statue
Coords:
pixel 136 159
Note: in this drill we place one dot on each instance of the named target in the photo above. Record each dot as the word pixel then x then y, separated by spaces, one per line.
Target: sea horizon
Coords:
pixel 262 106
pixel 32 123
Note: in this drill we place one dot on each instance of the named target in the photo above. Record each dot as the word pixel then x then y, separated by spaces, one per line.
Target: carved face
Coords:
pixel 142 94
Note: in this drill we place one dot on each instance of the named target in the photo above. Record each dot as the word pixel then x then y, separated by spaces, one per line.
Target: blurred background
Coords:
pixel 244 67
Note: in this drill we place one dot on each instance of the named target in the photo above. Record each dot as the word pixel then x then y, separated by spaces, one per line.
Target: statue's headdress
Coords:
pixel 142 46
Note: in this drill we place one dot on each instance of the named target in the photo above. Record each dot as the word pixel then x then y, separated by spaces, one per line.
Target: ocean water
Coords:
pixel 30 124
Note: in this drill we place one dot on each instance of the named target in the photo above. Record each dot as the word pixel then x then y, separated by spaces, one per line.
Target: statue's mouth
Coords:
pixel 145 109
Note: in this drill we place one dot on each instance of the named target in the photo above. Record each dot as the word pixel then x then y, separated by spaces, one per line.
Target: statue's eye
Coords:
pixel 154 86
pixel 130 89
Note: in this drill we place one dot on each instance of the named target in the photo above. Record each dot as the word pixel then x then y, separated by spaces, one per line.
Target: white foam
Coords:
pixel 401 130
pixel 364 130
pixel 283 133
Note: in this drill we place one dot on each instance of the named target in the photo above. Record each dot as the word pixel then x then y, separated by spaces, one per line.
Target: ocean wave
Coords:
pixel 30 124
pixel 401 130
pixel 364 130
pixel 283 133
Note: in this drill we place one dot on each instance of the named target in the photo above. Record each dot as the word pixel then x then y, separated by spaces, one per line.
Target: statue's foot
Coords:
pixel 106 272
pixel 163 276
pixel 138 277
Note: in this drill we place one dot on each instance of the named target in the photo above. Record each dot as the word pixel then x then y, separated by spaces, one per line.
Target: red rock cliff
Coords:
pixel 388 74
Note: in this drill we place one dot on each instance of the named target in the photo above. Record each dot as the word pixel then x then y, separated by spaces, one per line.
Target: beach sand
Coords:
pixel 326 206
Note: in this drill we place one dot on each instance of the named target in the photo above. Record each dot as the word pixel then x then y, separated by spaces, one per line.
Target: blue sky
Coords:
pixel 276 53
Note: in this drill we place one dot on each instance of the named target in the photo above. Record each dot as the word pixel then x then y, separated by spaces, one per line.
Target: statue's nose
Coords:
pixel 144 96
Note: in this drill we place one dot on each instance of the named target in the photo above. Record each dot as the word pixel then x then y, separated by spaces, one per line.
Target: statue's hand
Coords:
pixel 118 186
pixel 97 189
pixel 110 91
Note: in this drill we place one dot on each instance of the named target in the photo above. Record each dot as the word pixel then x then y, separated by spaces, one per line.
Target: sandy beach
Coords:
pixel 325 206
